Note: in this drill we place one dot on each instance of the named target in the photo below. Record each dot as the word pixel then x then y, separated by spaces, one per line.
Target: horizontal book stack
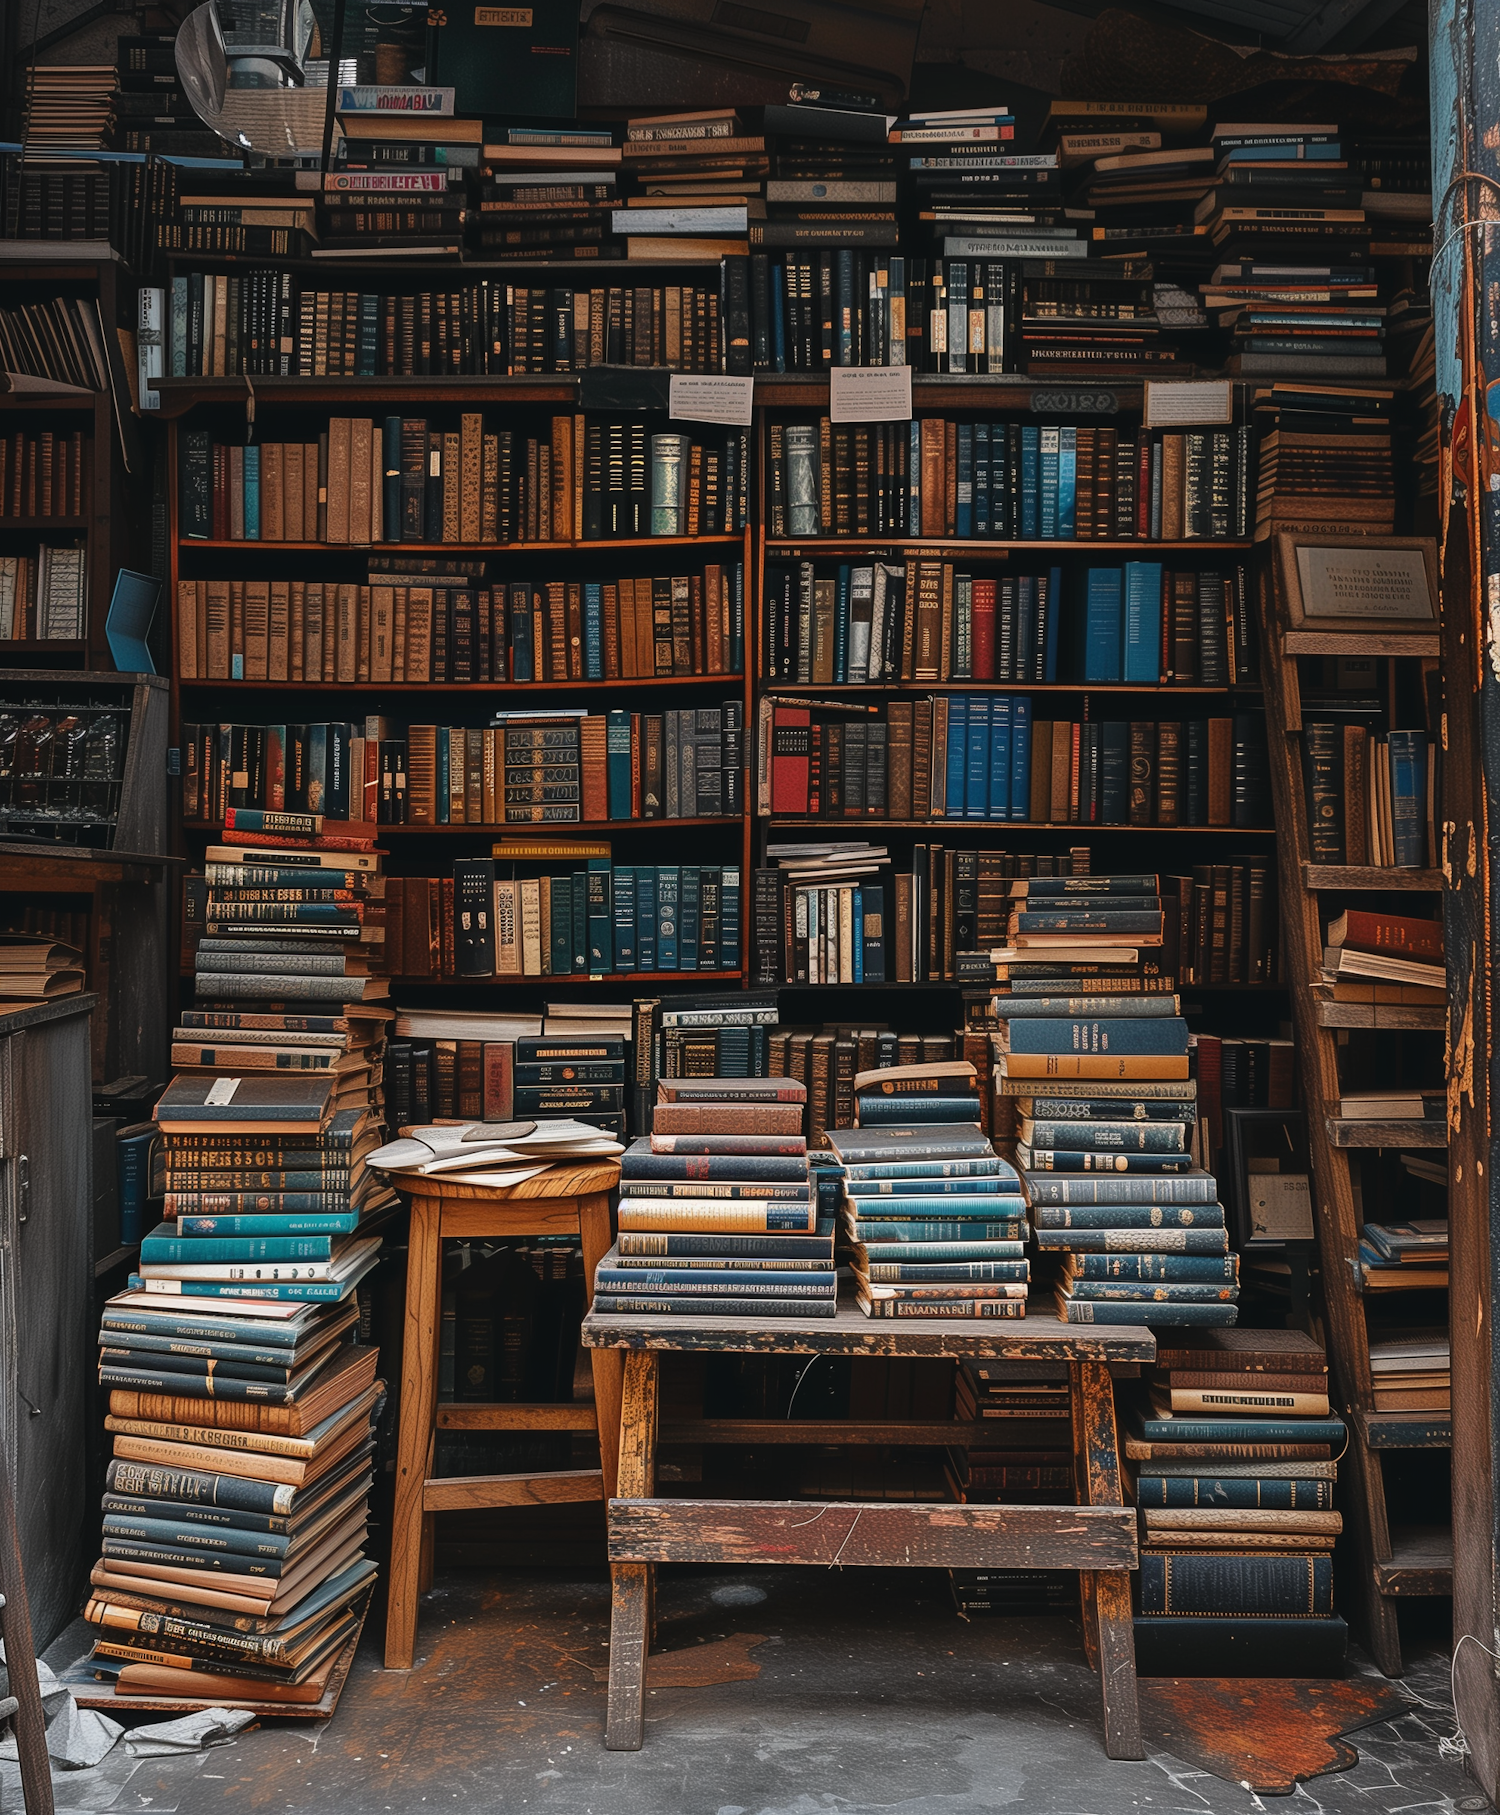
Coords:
pixel 401 212
pixel 368 480
pixel 407 624
pixel 1234 1455
pixel 1325 465
pixel 44 595
pixel 579 1078
pixel 978 756
pixel 718 1215
pixel 41 475
pixel 699 178
pixel 151 112
pixel 933 1217
pixel 936 477
pixel 1405 1257
pixel 1384 960
pixel 1024 1454
pixel 1412 1370
pixel 927 621
pixel 35 967
pixel 1369 795
pixel 604 919
pixel 548 194
pixel 720 1035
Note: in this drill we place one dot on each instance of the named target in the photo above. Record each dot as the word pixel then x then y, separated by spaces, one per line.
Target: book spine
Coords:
pixel 1278 1587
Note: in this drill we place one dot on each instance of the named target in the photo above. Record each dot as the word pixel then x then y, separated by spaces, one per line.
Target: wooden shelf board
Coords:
pixel 76 401
pixel 1344 1133
pixel 1014 825
pixel 574 829
pixel 1183 989
pixel 1343 642
pixel 938 545
pixel 551 980
pixel 489 687
pixel 1377 1017
pixel 179 395
pixel 839 688
pixel 108 1262
pixel 39 645
pixel 41 525
pixel 907 1431
pixel 1370 876
pixel 1405 1430
pixel 602 546
pixel 1420 1563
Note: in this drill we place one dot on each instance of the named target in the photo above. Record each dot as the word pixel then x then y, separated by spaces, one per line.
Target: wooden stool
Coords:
pixel 564 1200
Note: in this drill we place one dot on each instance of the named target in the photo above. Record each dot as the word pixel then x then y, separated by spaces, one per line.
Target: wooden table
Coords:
pixel 564 1200
pixel 1097 1536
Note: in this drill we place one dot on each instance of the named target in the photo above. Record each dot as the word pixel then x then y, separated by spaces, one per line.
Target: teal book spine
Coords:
pixel 600 917
pixel 668 890
pixel 950 1230
pixel 730 920
pixel 1198 1191
pixel 624 917
pixel 1158 1269
pixel 1020 757
pixel 1049 624
pixel 593 633
pixel 617 762
pixel 1151 1241
pixel 441 784
pixel 252 492
pixel 1166 1035
pixel 1242 1430
pixel 1107 1137
pixel 1059 1159
pixel 1103 625
pixel 967 1253
pixel 227 1538
pixel 916 1207
pixel 561 921
pixel 1143 1292
pixel 881 1177
pixel 957 755
pixel 580 885
pixel 1408 764
pixel 302 1291
pixel 1067 482
pixel 980 738
pixel 178 328
pixel 1002 752
pixel 1143 608
pixel 689 903
pixel 1047 484
pixel 958 1272
pixel 1127 1216
pixel 340 1222
pixel 162 1250
pixel 645 917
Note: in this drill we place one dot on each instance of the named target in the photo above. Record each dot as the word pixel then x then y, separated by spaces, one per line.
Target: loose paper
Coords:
pixel 1177 404
pixel 711 397
pixel 222 1090
pixel 1280 1207
pixel 869 394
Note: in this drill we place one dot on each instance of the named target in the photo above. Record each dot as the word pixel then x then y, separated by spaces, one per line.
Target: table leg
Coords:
pixel 414 1438
pixel 608 1365
pixel 633 1583
pixel 1100 1461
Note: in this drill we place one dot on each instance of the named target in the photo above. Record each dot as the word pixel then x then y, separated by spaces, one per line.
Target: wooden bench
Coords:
pixel 1097 1536
pixel 564 1200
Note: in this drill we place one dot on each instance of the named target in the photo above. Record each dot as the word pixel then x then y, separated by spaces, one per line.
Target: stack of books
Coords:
pixel 1326 465
pixel 242 1420
pixel 718 1216
pixel 149 109
pixel 1412 1371
pixel 36 968
pixel 1404 1257
pixel 1395 1103
pixel 1095 319
pixel 1234 1458
pixel 1383 958
pixel 550 195
pixel 933 1216
pixel 284 955
pixel 700 179
pixel 1025 1453
pixel 68 107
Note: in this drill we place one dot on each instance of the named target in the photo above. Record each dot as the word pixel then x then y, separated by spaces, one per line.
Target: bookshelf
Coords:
pixel 1394 1560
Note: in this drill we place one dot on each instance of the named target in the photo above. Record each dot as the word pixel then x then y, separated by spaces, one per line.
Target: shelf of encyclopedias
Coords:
pixel 1365 1169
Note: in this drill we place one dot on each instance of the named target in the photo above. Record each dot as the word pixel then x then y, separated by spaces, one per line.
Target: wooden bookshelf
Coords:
pixel 1389 1565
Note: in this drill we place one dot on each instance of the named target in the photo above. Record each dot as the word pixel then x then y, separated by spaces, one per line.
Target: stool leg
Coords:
pixel 633 1584
pixel 1100 1448
pixel 415 1437
pixel 608 1365
pixel 1087 1606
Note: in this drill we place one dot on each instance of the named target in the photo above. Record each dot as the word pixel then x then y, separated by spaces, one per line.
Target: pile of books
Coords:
pixel 1234 1455
pixel 68 107
pixel 1412 1370
pixel 1411 1256
pixel 718 1215
pixel 1025 1453
pixel 550 194
pixel 933 1216
pixel 149 109
pixel 1325 465
pixel 242 1419
pixel 700 179
pixel 35 968
pixel 1384 960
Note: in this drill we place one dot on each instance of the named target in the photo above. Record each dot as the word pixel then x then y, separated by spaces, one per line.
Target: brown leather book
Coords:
pixel 217 618
pixel 921 761
pixel 187 629
pixel 950 478
pixel 294 492
pixel 928 580
pixel 470 467
pixel 297 632
pixel 1171 487
pixel 945 620
pixel 1220 770
pixel 592 744
pixel 1169 773
pixel 272 513
pixel 898 759
pixel 1083 506
pixel 489 488
pixel 1041 772
pixel 419 606
pixel 1356 794
pixel 934 488
pixel 341 1381
pixel 1182 595
pixel 561 477
pixel 727 1118
pixel 1062 772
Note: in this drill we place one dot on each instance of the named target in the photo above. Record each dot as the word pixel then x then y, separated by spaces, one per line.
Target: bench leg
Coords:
pixel 414 1439
pixel 607 1365
pixel 633 1584
pixel 1098 1450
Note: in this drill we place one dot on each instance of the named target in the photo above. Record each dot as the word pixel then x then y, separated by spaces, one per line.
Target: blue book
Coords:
pixel 1191 1429
pixel 1050 440
pixel 617 762
pixel 1067 482
pixel 391 494
pixel 976 797
pixel 1158 1036
pixel 872 934
pixel 964 510
pixel 1020 756
pixel 622 889
pixel 520 633
pixel 1004 455
pixel 1031 482
pixel 1004 1229
pixel 1092 1310
pixel 841 623
pixel 1114 773
pixel 162 1248
pixel 1102 625
pixel 1144 1292
pixel 645 917
pixel 857 926
pixel 601 918
pixel 914 480
pixel 1278 151
pixel 1162 1269
pixel 302 1291
pixel 730 912
pixel 1240 1492
pixel 1002 731
pixel 178 327
pixel 917 1206
pixel 560 920
pixel 877 1112
pixel 688 907
pixel 668 889
pixel 171 1534
pixel 252 492
pixel 956 756
pixel 1049 622
pixel 312 1222
pixel 593 630
pixel 133 1160
pixel 1143 595
pixel 1409 756
pixel 982 479
pixel 778 318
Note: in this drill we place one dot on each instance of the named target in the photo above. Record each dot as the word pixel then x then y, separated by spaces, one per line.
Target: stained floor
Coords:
pixel 780 1692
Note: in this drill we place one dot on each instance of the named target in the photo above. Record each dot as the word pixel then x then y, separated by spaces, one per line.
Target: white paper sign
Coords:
pixel 869 394
pixel 711 397
pixel 1180 405
pixel 222 1090
pixel 1281 1206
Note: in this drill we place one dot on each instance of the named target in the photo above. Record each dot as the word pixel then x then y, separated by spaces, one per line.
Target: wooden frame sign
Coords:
pixel 1359 584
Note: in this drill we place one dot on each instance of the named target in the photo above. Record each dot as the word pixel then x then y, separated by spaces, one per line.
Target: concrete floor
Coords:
pixel 784 1692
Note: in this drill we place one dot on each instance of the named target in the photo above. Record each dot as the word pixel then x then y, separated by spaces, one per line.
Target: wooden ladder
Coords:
pixel 1417 1561
pixel 23 1706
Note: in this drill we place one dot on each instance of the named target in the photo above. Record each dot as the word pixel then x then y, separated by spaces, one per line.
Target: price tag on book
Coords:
pixel 1181 404
pixel 711 397
pixel 869 394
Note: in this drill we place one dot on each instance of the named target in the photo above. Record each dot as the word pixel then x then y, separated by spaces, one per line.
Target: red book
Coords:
pixel 273 840
pixel 982 645
pixel 791 752
pixel 499 1079
pixel 1396 933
